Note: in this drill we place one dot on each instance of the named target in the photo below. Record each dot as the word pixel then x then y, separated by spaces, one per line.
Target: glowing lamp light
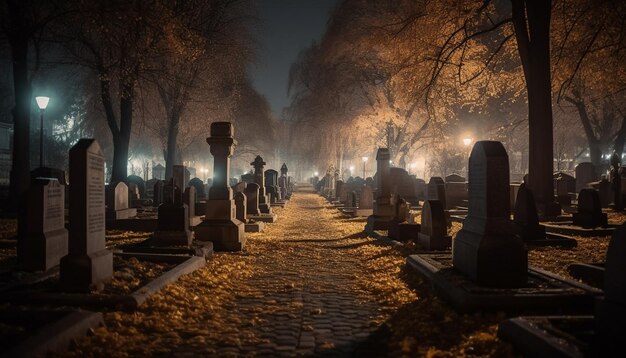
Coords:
pixel 351 168
pixel 316 173
pixel 467 141
pixel 365 159
pixel 42 102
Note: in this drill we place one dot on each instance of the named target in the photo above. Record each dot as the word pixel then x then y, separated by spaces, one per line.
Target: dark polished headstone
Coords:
pixel 589 210
pixel 434 229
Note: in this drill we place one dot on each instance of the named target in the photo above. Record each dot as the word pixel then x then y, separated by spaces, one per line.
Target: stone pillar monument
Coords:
pixel 259 178
pixel 220 225
pixel 383 210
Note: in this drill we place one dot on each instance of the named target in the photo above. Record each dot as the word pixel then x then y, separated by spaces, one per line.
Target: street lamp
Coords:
pixel 42 103
pixel 364 161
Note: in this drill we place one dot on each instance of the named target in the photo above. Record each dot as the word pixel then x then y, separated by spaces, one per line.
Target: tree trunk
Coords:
pixel 121 139
pixel 620 139
pixel 172 136
pixel 531 20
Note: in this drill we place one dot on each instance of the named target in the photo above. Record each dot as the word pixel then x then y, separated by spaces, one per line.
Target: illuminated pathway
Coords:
pixel 312 283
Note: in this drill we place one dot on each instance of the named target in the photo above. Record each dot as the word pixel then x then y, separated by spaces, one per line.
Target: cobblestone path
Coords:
pixel 311 284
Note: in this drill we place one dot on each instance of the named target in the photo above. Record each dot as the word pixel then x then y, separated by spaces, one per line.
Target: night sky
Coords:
pixel 288 26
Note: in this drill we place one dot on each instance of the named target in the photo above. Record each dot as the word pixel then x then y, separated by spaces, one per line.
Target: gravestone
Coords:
pixel 402 184
pixel 252 195
pixel 139 182
pixel 340 190
pixel 604 191
pixel 611 311
pixel 526 219
pixel 46 239
pixel 436 190
pixel 150 188
pixel 351 199
pixel 283 182
pixel 173 219
pixel 271 181
pixel 157 195
pixel 247 178
pixel 189 199
pixel 240 204
pixel 562 190
pixel 178 173
pixel 585 174
pixel 420 189
pixel 366 198
pixel 220 225
pixel 589 210
pixel 486 249
pixel 88 263
pixel 259 179
pixel 239 187
pixel 383 210
pixel 434 229
pixel 513 190
pixel 456 194
pixel 199 186
pixel 133 194
pixel 158 172
pixel 117 202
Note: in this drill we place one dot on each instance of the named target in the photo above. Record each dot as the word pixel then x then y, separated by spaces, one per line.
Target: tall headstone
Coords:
pixel 611 311
pixel 271 185
pixel 220 225
pixel 486 249
pixel 437 190
pixel 589 210
pixel 283 181
pixel 46 240
pixel 189 198
pixel 199 185
pixel 157 195
pixel 383 210
pixel 340 190
pixel 366 198
pixel 173 219
pixel 434 230
pixel 117 202
pixel 252 196
pixel 525 218
pixel 88 263
pixel 259 179
pixel 240 204
pixel 585 174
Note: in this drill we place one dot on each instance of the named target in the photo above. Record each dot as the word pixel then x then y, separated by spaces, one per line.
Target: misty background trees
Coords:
pixel 424 78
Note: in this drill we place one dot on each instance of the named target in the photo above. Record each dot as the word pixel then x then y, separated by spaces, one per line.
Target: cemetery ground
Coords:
pixel 311 283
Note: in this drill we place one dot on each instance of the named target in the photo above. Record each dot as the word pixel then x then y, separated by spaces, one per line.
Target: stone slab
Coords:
pixel 56 335
pixel 266 218
pixel 591 274
pixel 567 228
pixel 198 248
pixel 552 239
pixel 545 336
pixel 544 291
pixel 255 227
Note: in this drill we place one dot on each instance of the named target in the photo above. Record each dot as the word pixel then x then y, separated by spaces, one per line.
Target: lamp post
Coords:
pixel 42 103
pixel 364 161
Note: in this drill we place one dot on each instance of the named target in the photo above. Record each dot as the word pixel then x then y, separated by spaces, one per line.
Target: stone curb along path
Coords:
pixel 305 286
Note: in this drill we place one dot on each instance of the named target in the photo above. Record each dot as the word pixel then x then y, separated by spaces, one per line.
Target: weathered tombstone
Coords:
pixel 434 229
pixel 420 189
pixel 526 219
pixel 199 186
pixel 604 191
pixel 117 202
pixel 399 228
pixel 252 195
pixel 133 193
pixel 562 192
pixel 486 249
pixel 247 178
pixel 178 173
pixel 240 204
pixel 383 210
pixel 616 183
pixel 259 178
pixel 150 188
pixel 46 240
pixel 366 198
pixel 220 225
pixel 283 182
pixel 139 182
pixel 157 197
pixel 611 311
pixel 437 190
pixel 351 199
pixel 513 190
pixel 271 184
pixel 189 199
pixel 456 194
pixel 340 190
pixel 585 174
pixel 589 210
pixel 88 263
pixel 173 219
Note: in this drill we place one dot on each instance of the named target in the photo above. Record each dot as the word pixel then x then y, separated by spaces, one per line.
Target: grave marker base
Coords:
pixel 45 250
pixel 403 231
pixel 591 274
pixel 266 218
pixel 226 235
pixel 121 214
pixel 544 292
pixel 567 228
pixel 172 238
pixel 255 227
pixel 587 220
pixel 89 271
pixel 434 243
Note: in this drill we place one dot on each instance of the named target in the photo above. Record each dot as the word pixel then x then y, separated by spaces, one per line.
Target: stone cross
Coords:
pixel 486 249
pixel 434 228
pixel 252 202
pixel 220 225
pixel 46 239
pixel 88 263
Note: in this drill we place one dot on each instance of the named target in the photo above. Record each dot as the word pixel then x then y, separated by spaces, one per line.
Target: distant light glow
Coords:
pixel 467 141
pixel 365 159
pixel 351 168
pixel 42 102
pixel 316 173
